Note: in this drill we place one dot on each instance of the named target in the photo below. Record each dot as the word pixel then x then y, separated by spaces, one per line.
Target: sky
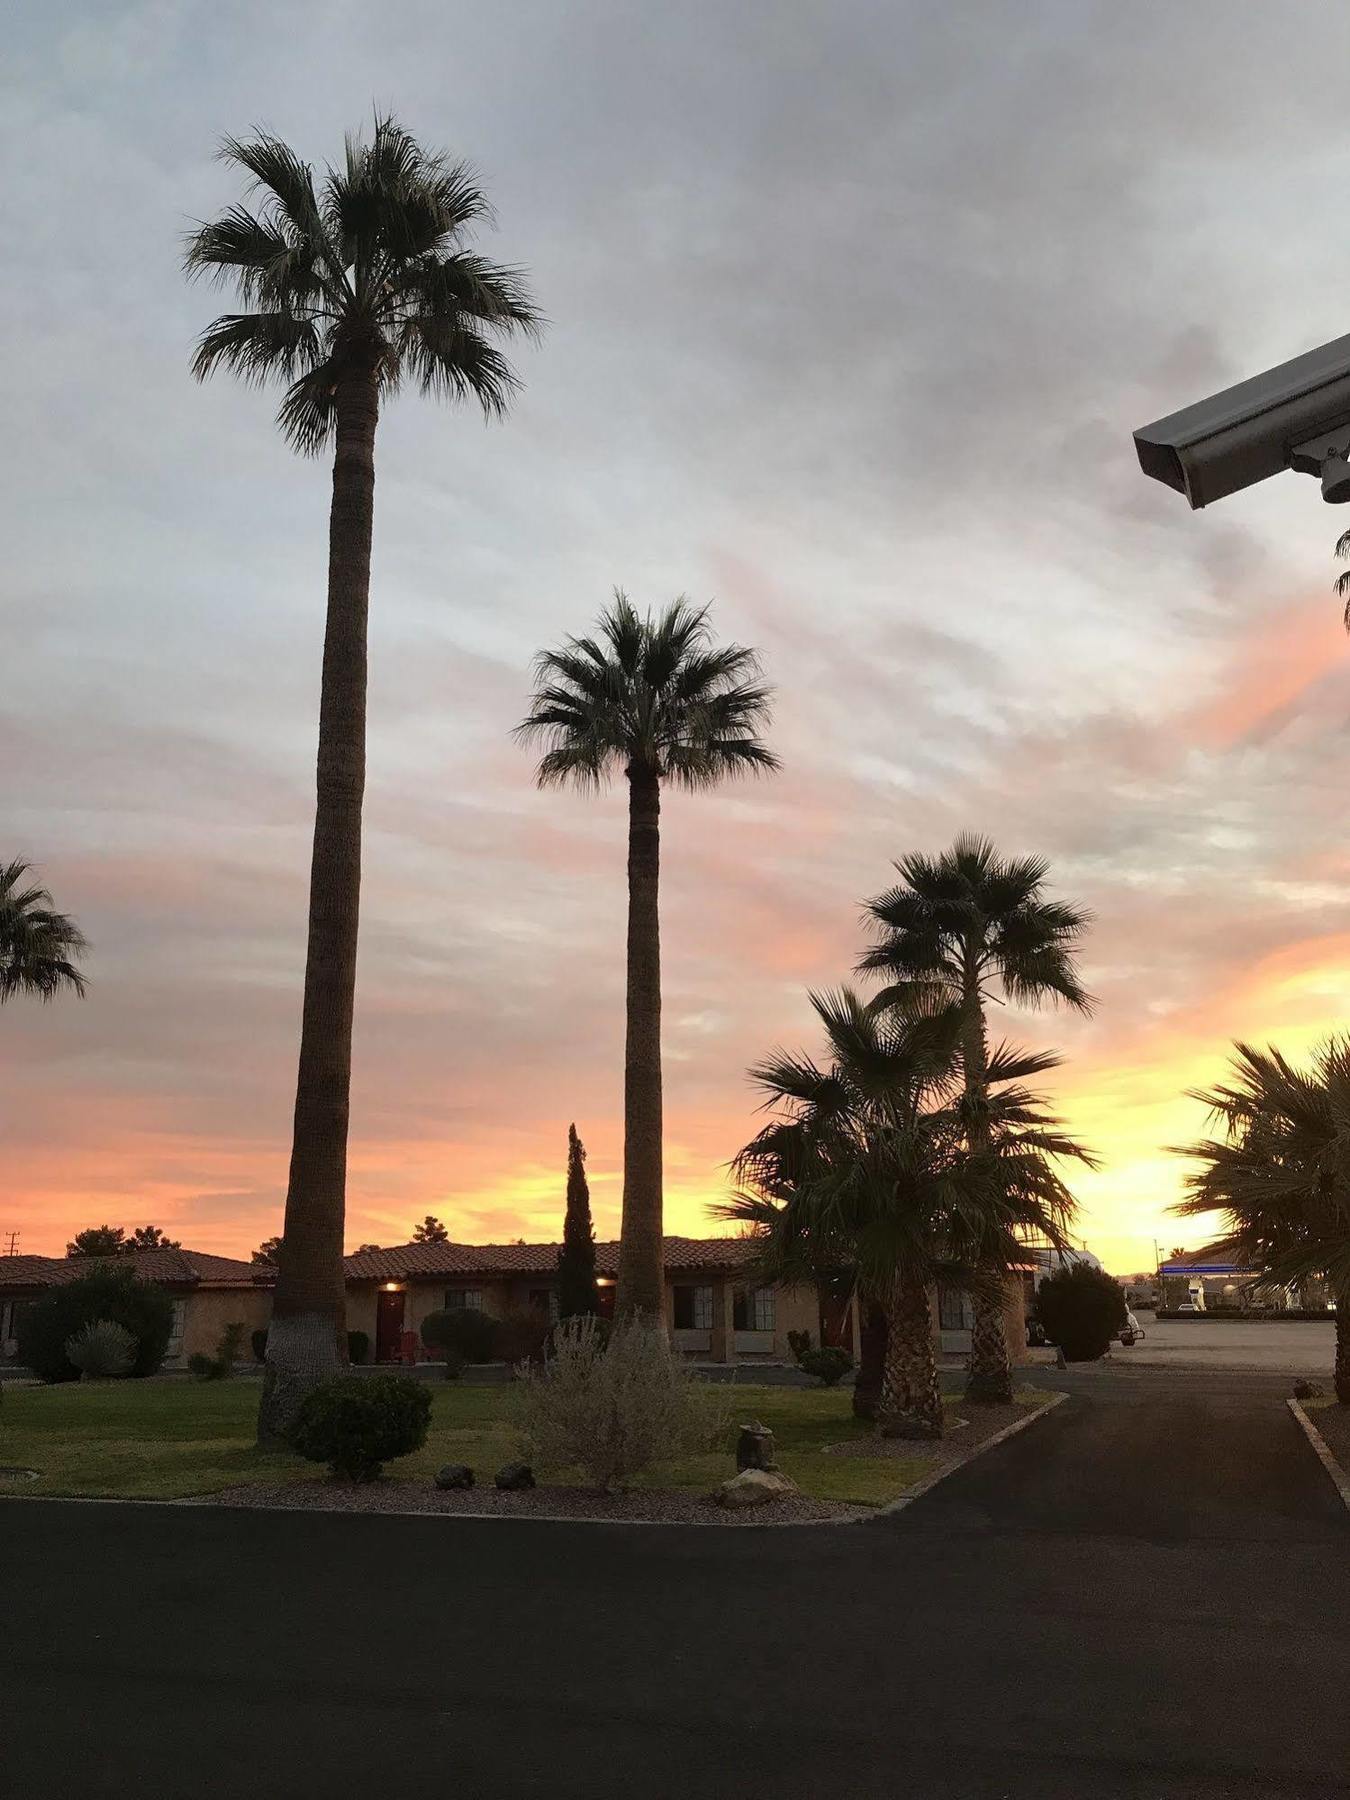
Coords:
pixel 852 310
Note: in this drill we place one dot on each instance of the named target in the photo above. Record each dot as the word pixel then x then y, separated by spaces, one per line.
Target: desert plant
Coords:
pixel 954 926
pixel 1081 1309
pixel 613 1409
pixel 108 1291
pixel 220 1366
pixel 465 1333
pixel 356 1426
pixel 100 1349
pixel 829 1364
pixel 659 700
pixel 358 1347
pixel 350 288
pixel 39 947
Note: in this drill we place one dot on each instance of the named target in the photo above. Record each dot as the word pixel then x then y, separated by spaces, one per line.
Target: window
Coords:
pixel 693 1308
pixel 954 1311
pixel 176 1329
pixel 545 1300
pixel 462 1299
pixel 752 1309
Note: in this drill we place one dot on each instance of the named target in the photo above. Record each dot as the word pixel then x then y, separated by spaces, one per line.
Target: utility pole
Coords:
pixel 12 1245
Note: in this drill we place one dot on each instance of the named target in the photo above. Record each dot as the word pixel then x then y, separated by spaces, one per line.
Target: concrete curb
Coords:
pixel 920 1488
pixel 1324 1452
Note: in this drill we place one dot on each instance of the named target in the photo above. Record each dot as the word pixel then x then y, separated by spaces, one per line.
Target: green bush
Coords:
pixel 799 1342
pixel 358 1346
pixel 103 1348
pixel 258 1340
pixel 829 1364
pixel 521 1335
pixel 1081 1310
pixel 462 1330
pixel 109 1291
pixel 220 1366
pixel 356 1425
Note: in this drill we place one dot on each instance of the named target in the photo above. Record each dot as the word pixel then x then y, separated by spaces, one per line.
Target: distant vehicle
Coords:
pixel 1188 1306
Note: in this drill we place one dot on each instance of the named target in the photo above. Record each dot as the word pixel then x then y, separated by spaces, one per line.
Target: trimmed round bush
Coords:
pixel 1081 1309
pixel 102 1349
pixel 463 1331
pixel 829 1364
pixel 356 1425
pixel 109 1291
pixel 358 1346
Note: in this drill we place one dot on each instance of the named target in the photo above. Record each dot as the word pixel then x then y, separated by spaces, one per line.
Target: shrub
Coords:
pixel 109 1291
pixel 102 1348
pixel 258 1340
pixel 463 1333
pixel 221 1365
pixel 829 1364
pixel 1081 1310
pixel 614 1409
pixel 358 1346
pixel 799 1342
pixel 356 1426
pixel 521 1335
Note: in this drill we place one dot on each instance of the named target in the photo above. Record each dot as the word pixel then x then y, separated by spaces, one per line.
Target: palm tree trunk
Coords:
pixel 1341 1379
pixel 306 1341
pixel 911 1401
pixel 872 1340
pixel 641 1280
pixel 990 1374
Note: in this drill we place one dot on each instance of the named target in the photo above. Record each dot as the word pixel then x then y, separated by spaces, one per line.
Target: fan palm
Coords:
pixel 1281 1173
pixel 659 700
pixel 962 925
pixel 865 1168
pixel 39 947
pixel 351 287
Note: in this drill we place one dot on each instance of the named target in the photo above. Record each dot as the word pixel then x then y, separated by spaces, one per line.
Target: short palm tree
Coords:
pixel 39 947
pixel 657 699
pixel 351 287
pixel 864 1169
pixel 1280 1174
pixel 962 925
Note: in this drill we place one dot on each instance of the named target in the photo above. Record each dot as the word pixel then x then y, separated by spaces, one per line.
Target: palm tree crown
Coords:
pixel 652 696
pixel 971 917
pixel 39 947
pixel 1280 1173
pixel 366 271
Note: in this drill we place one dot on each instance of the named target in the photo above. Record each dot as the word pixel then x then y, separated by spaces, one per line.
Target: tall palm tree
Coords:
pixel 39 947
pixel 864 1168
pixel 351 287
pixel 962 925
pixel 659 700
pixel 1280 1173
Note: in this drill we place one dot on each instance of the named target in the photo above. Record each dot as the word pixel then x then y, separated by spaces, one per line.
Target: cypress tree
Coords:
pixel 577 1290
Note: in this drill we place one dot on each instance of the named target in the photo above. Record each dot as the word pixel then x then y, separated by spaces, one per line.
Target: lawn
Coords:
pixel 169 1439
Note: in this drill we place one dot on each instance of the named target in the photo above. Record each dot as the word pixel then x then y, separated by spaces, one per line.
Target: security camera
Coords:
pixel 1296 416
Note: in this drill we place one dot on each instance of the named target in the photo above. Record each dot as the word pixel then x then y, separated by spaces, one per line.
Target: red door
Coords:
pixel 388 1325
pixel 836 1315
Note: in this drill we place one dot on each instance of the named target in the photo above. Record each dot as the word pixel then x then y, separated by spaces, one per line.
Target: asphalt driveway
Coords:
pixel 1145 1595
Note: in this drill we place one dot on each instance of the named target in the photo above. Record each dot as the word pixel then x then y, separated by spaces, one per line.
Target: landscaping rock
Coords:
pixel 514 1476
pixel 755 1448
pixel 455 1475
pixel 1308 1390
pixel 754 1487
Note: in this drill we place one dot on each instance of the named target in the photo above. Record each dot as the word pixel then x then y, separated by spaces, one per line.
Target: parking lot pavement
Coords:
pixel 1298 1346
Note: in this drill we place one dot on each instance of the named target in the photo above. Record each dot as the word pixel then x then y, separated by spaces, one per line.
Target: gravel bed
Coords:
pixel 664 1506
pixel 966 1431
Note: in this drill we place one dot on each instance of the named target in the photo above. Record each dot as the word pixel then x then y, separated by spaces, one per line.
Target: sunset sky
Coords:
pixel 853 308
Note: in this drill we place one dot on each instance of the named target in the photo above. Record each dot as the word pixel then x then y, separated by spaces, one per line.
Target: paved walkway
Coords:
pixel 1145 1596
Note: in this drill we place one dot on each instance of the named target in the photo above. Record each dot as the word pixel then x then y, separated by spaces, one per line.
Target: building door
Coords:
pixel 836 1314
pixel 388 1325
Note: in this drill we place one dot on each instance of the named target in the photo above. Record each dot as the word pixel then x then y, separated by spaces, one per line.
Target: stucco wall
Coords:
pixel 209 1310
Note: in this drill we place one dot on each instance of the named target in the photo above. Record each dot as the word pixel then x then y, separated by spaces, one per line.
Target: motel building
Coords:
pixel 715 1308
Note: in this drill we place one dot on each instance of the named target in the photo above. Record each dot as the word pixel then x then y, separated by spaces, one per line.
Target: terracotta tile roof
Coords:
pixel 408 1261
pixel 175 1268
